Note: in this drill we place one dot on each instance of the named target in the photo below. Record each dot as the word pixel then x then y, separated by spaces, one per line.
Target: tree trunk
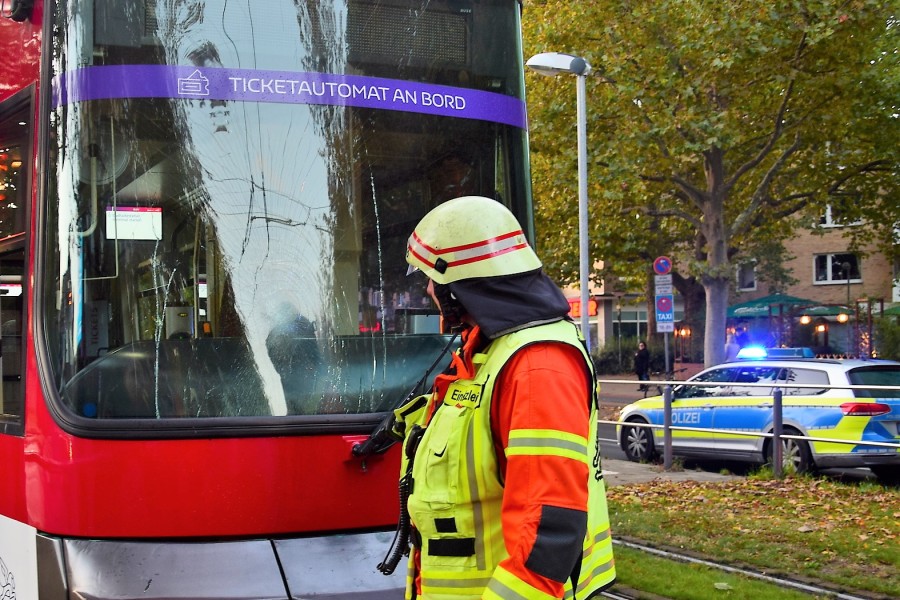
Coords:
pixel 694 297
pixel 716 315
pixel 649 292
pixel 718 269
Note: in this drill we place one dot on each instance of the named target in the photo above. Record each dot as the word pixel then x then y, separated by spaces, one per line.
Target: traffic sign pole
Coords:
pixel 665 303
pixel 666 350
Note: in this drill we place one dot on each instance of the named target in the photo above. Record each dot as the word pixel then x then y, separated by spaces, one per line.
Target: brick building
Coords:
pixel 828 274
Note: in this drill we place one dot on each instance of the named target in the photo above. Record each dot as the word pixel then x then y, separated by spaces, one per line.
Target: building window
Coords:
pixel 746 277
pixel 630 323
pixel 834 217
pixel 836 268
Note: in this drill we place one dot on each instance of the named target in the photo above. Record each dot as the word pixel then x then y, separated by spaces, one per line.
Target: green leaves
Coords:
pixel 790 98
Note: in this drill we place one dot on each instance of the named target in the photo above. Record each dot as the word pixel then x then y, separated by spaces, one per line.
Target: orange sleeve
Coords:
pixel 543 387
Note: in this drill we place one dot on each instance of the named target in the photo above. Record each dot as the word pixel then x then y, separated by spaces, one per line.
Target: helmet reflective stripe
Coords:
pixel 468 253
pixel 467 238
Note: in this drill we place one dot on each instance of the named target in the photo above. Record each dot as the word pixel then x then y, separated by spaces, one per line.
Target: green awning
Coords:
pixel 825 310
pixel 770 305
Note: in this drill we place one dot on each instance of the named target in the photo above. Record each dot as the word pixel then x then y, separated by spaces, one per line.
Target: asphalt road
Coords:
pixel 610 449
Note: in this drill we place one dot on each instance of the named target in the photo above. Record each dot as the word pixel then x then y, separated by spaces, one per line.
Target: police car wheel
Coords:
pixel 795 453
pixel 887 474
pixel 637 442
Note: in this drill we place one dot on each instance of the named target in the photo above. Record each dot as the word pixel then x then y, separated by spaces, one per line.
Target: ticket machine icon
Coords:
pixel 193 85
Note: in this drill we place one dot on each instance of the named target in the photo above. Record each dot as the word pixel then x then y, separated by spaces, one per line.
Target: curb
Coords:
pixel 622 472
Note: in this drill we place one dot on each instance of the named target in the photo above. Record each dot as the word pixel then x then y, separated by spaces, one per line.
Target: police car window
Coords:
pixel 714 376
pixel 803 376
pixel 753 375
pixel 878 375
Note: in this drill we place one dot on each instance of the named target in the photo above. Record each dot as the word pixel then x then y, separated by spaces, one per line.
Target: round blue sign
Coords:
pixel 662 265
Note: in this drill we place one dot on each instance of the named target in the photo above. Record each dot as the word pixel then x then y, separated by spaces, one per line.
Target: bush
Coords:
pixel 606 358
pixel 887 338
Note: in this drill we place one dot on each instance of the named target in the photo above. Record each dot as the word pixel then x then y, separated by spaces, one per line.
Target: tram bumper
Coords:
pixel 334 566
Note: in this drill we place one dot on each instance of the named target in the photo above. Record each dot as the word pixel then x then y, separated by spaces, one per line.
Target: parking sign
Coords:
pixel 662 265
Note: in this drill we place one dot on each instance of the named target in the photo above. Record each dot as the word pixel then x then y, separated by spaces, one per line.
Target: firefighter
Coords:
pixel 505 492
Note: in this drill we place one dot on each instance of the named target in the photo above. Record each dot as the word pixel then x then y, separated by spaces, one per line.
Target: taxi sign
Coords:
pixel 664 304
pixel 665 313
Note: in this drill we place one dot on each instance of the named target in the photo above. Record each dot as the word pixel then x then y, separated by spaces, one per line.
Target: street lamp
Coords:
pixel 552 64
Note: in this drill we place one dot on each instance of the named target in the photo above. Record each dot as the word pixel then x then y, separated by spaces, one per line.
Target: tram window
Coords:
pixel 11 340
pixel 12 176
pixel 262 268
pixel 15 132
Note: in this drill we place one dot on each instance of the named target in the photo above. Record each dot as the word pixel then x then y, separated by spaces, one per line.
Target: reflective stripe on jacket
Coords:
pixel 458 492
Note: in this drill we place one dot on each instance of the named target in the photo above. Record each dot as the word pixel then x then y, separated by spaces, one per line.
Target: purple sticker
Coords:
pixel 250 85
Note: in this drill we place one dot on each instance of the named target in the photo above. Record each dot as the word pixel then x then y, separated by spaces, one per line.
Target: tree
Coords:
pixel 715 130
pixel 887 337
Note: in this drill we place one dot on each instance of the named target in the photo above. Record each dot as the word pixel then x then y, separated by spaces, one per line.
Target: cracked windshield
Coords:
pixel 237 183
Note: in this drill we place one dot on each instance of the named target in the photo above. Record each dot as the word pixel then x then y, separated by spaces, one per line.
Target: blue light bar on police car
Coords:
pixel 752 353
pixel 758 353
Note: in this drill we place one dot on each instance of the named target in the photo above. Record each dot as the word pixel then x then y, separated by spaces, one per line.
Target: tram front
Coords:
pixel 223 307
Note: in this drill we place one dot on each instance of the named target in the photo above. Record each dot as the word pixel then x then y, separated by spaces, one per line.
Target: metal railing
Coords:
pixel 777 416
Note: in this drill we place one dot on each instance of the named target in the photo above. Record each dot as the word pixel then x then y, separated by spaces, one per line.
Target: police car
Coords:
pixel 738 398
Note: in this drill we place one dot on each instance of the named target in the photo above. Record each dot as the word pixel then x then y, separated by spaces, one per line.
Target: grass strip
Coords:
pixel 805 528
pixel 659 576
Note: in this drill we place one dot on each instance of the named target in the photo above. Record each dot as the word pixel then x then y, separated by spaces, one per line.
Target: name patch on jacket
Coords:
pixel 464 396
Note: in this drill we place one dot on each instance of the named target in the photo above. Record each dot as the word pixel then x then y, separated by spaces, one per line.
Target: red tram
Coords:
pixel 203 297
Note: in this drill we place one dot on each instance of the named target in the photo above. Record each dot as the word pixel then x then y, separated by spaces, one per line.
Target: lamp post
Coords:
pixel 846 268
pixel 552 64
pixel 619 331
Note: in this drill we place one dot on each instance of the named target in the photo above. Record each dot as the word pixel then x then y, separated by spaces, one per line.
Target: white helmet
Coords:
pixel 467 238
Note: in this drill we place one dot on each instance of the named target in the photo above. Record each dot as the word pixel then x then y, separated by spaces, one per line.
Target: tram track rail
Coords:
pixel 616 595
pixel 781 581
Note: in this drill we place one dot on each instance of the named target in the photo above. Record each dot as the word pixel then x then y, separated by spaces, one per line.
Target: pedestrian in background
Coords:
pixel 731 348
pixel 642 365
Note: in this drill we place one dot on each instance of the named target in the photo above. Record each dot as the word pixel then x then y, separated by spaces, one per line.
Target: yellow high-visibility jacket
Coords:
pixel 457 492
